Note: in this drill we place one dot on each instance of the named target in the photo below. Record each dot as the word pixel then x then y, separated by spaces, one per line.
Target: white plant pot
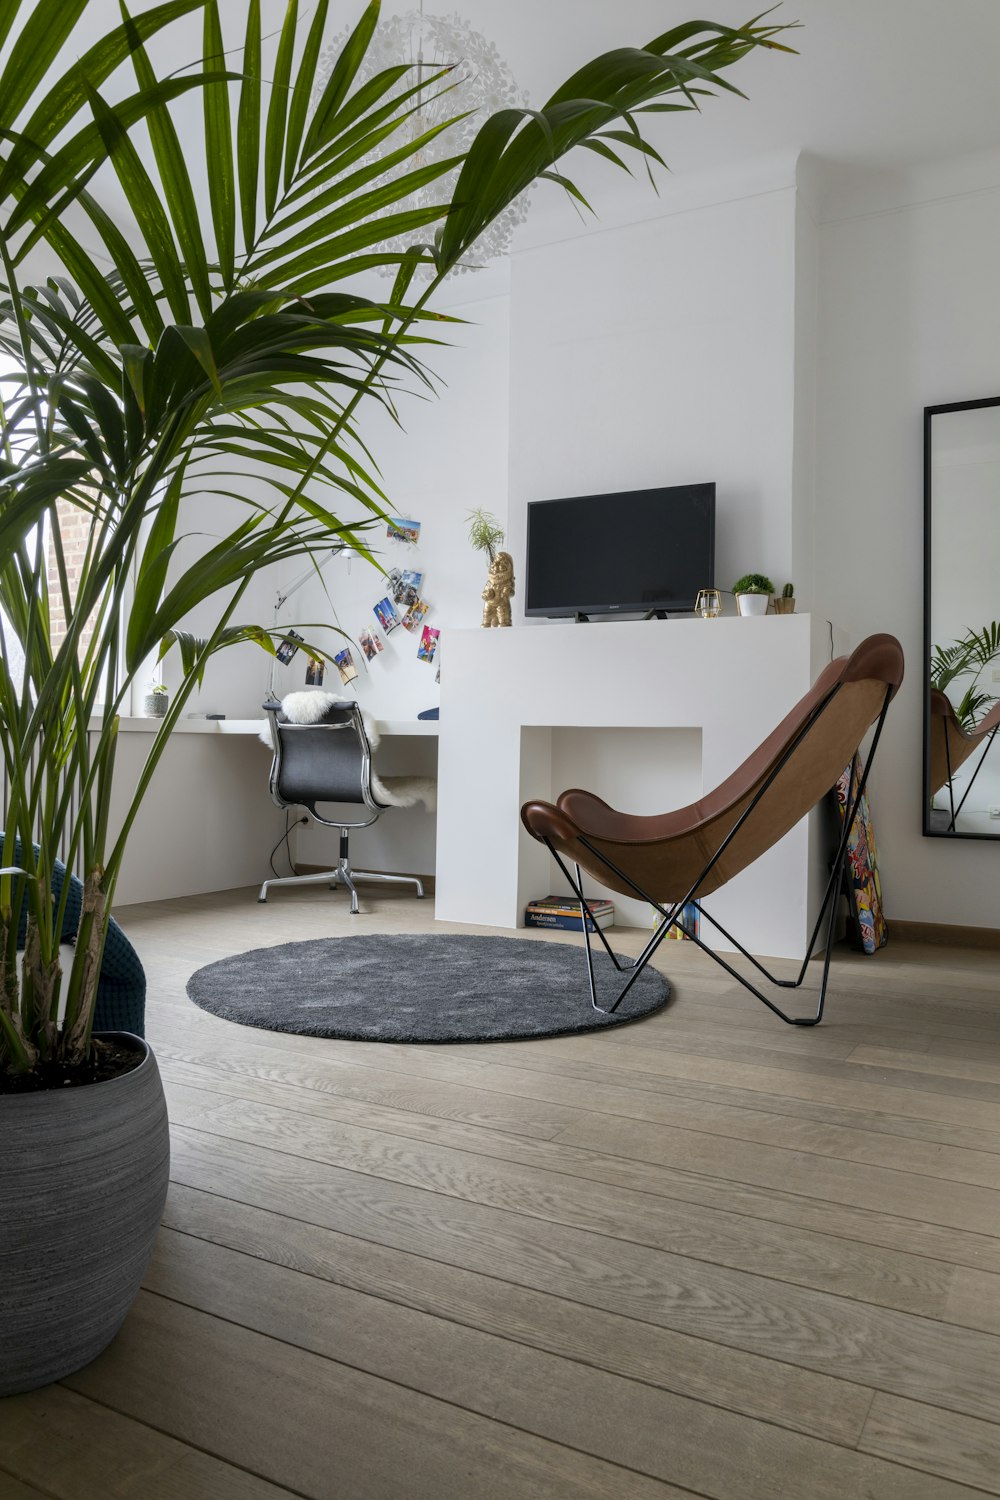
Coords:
pixel 752 604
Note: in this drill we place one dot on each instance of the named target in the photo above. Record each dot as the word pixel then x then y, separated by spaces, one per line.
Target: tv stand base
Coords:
pixel 651 614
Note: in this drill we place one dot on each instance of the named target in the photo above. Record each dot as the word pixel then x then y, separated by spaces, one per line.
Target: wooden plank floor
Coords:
pixel 707 1255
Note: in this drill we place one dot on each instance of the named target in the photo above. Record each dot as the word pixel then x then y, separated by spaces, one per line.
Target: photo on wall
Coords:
pixel 314 672
pixel 414 617
pixel 385 614
pixel 344 662
pixel 399 530
pixel 428 644
pixel 404 586
pixel 288 648
pixel 371 643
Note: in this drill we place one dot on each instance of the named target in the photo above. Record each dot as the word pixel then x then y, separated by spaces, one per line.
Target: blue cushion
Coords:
pixel 121 987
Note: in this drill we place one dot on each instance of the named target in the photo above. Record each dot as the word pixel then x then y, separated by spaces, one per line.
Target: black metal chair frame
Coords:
pixel 979 766
pixel 672 916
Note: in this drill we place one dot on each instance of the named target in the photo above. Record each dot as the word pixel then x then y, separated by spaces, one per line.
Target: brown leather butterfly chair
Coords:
pixel 677 858
pixel 951 746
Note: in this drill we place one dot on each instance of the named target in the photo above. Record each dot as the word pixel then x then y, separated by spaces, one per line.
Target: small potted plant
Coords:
pixel 156 702
pixel 486 535
pixel 784 604
pixel 753 593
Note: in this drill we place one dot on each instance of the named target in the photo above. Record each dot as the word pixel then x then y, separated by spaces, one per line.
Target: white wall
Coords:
pixel 742 341
pixel 662 352
pixel 207 822
pixel 448 456
pixel 909 316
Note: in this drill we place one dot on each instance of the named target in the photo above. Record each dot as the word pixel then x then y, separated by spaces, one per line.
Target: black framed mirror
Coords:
pixel 961 787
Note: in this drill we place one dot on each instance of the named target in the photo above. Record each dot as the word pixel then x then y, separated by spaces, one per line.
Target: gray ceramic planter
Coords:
pixel 83 1178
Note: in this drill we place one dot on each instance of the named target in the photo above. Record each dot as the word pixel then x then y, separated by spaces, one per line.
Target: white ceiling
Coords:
pixel 878 85
pixel 878 88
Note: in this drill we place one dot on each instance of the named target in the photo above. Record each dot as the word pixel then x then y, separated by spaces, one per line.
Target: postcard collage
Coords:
pixel 402 606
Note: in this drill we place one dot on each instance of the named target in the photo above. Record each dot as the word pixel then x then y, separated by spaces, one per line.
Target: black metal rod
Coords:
pixel 852 806
pixel 979 766
pixel 951 789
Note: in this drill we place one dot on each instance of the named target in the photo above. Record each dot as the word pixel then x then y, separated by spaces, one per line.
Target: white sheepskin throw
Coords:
pixel 311 706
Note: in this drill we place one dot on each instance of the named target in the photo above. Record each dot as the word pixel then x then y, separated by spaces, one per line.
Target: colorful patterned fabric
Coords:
pixel 866 918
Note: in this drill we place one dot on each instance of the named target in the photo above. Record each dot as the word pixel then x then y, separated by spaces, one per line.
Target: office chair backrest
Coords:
pixel 325 762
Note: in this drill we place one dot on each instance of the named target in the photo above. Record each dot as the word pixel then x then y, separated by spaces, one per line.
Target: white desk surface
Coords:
pixel 254 726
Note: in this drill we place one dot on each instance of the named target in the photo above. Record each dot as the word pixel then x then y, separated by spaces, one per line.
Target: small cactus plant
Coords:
pixel 786 604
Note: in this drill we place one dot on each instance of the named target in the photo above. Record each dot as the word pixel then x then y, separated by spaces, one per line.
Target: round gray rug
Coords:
pixel 426 988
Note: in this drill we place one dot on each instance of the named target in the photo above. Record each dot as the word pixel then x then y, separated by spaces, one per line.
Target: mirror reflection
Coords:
pixel 962 620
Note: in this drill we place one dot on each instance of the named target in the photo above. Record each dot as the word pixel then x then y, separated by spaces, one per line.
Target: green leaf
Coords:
pixel 344 187
pixel 152 575
pixel 200 345
pixel 343 74
pixel 277 110
pixel 219 148
pixel 364 206
pixel 25 497
pixel 8 15
pixel 302 92
pixel 85 148
pixel 137 363
pixel 48 25
pixel 178 193
pixel 93 282
pixel 144 201
pixel 68 95
pixel 565 183
pixel 347 244
pixel 248 128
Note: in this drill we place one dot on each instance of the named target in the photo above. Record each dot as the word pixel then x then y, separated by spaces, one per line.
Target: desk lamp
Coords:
pixel 284 593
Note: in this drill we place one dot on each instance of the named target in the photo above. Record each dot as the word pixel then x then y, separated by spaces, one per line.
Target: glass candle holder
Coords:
pixel 708 604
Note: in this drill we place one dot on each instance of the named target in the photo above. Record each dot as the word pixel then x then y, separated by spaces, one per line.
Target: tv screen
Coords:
pixel 641 550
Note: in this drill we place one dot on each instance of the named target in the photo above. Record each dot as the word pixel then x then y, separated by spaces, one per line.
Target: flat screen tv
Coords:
pixel 640 551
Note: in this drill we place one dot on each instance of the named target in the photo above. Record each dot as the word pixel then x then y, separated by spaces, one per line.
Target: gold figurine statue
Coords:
pixel 499 591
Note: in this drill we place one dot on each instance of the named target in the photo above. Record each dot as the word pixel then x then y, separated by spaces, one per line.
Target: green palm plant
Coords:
pixel 168 355
pixel 968 656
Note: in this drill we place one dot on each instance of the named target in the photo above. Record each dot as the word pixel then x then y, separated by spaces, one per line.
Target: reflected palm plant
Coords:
pixel 969 656
pixel 215 325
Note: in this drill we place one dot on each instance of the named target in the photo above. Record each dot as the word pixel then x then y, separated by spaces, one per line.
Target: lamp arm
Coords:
pixel 283 594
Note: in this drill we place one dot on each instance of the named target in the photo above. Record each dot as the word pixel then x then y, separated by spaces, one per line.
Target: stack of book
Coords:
pixel 564 912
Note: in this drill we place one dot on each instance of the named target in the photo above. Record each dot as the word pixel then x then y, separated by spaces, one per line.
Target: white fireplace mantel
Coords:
pixel 518 705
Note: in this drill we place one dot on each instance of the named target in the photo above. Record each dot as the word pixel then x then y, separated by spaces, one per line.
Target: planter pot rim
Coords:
pixel 136 1044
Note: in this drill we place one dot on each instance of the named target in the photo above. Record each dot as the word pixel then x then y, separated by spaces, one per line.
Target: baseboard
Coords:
pixel 945 935
pixel 428 881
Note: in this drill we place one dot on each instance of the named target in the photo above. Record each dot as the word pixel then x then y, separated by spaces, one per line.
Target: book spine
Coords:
pixel 571 909
pixel 565 922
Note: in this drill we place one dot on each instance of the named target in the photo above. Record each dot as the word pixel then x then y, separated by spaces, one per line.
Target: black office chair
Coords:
pixel 327 762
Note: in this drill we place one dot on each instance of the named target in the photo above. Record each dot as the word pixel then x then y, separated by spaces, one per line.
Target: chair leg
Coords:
pixel 326 878
pixel 392 879
pixel 345 875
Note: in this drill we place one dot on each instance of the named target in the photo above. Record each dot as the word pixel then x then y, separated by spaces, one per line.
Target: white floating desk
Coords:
pixel 386 727
pixel 515 701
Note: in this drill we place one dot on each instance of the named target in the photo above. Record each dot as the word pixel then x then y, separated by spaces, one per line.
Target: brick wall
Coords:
pixel 74 527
